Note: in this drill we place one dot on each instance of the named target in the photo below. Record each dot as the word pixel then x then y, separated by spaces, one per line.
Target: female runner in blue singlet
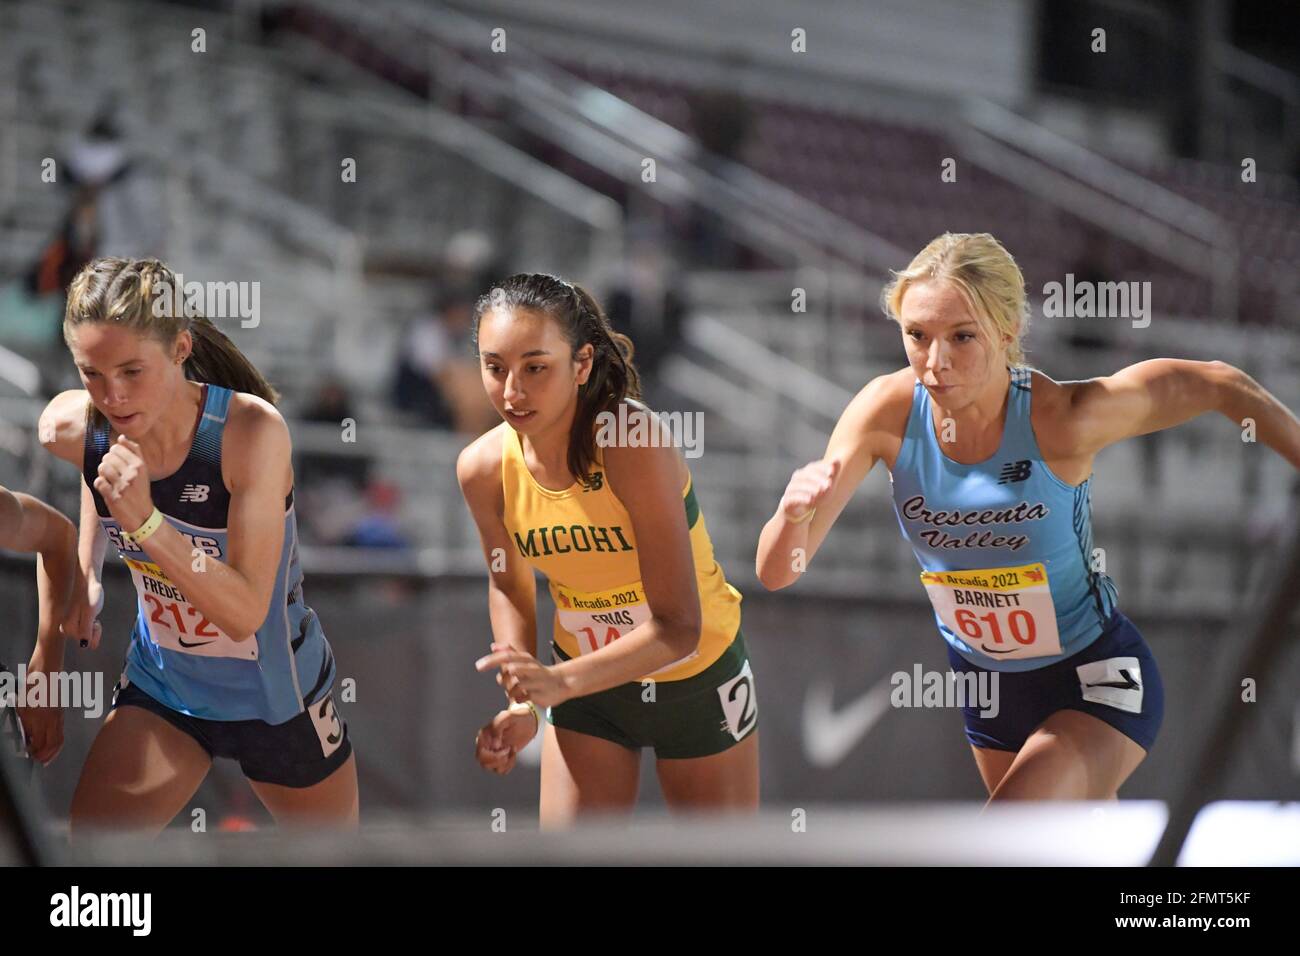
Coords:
pixel 991 463
pixel 187 471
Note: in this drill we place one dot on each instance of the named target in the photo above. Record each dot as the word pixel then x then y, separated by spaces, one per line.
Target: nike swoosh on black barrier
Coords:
pixel 829 735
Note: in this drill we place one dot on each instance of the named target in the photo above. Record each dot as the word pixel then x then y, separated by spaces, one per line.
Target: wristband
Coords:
pixel 142 533
pixel 807 515
pixel 532 709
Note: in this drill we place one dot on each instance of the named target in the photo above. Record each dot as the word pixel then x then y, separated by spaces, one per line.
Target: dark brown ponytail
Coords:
pixel 613 377
pixel 217 360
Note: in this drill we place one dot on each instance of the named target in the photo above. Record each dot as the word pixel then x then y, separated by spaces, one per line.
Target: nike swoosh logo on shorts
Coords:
pixel 1128 683
pixel 829 735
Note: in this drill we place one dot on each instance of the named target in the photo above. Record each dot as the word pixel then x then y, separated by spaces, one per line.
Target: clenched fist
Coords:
pixel 808 486
pixel 124 483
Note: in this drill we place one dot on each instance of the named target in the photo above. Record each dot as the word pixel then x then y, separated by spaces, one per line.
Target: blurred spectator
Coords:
pixel 332 405
pixel 127 215
pixel 425 347
pixel 113 210
pixel 437 376
pixel 469 263
pixel 721 121
pixel 380 525
pixel 1091 267
pixel 329 477
pixel 645 302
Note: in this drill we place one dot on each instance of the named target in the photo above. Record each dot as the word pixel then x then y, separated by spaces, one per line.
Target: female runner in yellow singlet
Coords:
pixel 647 647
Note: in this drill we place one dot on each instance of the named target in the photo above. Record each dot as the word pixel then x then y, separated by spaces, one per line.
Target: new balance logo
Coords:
pixel 1128 683
pixel 597 481
pixel 1014 471
pixel 194 493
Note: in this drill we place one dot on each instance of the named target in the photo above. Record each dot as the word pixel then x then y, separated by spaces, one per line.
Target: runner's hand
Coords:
pixel 807 487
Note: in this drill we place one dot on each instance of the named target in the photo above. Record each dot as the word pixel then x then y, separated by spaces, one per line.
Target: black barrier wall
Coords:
pixel 824 673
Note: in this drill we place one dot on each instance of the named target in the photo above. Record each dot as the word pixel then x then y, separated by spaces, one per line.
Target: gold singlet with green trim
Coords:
pixel 583 541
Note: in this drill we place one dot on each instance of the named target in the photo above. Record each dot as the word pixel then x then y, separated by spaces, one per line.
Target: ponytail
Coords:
pixel 613 378
pixel 216 360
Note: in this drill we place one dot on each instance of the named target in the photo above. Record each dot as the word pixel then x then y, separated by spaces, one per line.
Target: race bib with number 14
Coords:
pixel 598 619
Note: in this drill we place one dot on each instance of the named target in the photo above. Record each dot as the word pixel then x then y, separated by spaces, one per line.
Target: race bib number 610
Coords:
pixel 1002 612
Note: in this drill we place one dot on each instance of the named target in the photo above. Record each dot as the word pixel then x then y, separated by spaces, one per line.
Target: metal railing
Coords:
pixel 616 137
pixel 1131 207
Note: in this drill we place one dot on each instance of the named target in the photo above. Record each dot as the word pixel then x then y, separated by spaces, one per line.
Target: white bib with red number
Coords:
pixel 176 624
pixel 1001 612
pixel 600 618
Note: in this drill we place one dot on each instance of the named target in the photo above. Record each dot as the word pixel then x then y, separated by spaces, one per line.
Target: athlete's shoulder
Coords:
pixel 630 428
pixel 1048 390
pixel 894 389
pixel 636 442
pixel 478 466
pixel 250 418
pixel 255 436
pixel 62 426
pixel 1053 413
pixel 884 403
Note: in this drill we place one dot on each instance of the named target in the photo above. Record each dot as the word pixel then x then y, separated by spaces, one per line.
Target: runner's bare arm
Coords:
pixel 235 594
pixel 855 445
pixel 1161 393
pixel 61 431
pixel 647 479
pixel 92 542
pixel 62 425
pixel 30 525
pixel 512 588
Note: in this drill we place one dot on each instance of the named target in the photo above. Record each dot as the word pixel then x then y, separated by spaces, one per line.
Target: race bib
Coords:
pixel 329 729
pixel 1003 612
pixel 176 624
pixel 739 705
pixel 598 619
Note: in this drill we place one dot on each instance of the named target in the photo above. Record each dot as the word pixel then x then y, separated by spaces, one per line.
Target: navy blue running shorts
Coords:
pixel 1115 679
pixel 300 752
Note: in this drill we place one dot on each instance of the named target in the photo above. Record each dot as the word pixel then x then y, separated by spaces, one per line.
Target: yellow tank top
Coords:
pixel 583 541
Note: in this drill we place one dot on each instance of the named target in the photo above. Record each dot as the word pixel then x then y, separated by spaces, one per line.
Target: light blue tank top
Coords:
pixel 1002 516
pixel 176 655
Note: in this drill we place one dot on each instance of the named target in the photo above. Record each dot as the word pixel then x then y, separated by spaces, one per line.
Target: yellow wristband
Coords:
pixel 142 533
pixel 808 515
pixel 532 709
